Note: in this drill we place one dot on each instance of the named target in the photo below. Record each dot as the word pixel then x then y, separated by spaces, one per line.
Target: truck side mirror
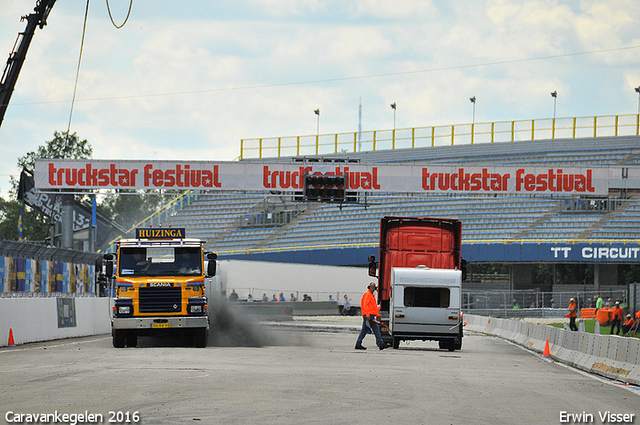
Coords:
pixel 373 266
pixel 211 268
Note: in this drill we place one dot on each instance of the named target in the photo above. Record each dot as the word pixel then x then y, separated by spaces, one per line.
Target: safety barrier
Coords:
pixel 46 319
pixel 611 356
pixel 285 310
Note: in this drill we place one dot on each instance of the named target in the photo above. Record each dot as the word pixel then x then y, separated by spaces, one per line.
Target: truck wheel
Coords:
pixel 396 343
pixel 458 344
pixel 119 338
pixel 451 345
pixel 442 345
pixel 132 339
pixel 200 338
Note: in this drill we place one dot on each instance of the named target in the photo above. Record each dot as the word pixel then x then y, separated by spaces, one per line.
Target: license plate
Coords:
pixel 161 325
pixel 385 329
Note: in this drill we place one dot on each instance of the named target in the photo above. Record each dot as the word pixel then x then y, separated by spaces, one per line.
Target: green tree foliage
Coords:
pixel 35 226
pixel 63 146
pixel 129 207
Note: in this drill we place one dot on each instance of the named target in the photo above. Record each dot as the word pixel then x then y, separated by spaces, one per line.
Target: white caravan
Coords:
pixel 425 305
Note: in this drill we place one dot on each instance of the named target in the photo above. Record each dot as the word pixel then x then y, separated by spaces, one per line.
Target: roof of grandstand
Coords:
pixel 241 222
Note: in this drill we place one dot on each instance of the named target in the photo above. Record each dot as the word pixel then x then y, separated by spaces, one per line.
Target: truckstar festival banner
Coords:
pixel 289 177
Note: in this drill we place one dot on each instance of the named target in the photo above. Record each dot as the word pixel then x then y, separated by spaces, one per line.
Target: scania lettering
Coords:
pixel 160 286
pixel 420 280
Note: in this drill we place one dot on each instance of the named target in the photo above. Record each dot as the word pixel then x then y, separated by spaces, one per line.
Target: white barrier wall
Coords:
pixel 612 356
pixel 273 278
pixel 36 319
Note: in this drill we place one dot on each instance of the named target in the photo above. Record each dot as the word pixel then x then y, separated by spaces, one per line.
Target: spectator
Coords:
pixel 233 296
pixel 306 297
pixel 281 299
pixel 331 297
pixel 608 303
pixel 573 313
pixel 249 298
pixel 599 303
pixel 264 297
pixel 274 299
pixel 553 304
pixel 616 319
pixel 628 325
pixel 346 309
pixel 293 298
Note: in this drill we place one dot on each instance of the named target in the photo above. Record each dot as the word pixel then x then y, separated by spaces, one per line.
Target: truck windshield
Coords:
pixel 160 261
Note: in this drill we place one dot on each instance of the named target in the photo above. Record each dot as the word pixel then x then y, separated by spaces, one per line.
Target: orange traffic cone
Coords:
pixel 546 352
pixel 11 341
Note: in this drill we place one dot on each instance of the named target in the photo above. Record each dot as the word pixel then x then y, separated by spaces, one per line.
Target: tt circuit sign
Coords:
pixel 615 253
pixel 289 177
pixel 544 252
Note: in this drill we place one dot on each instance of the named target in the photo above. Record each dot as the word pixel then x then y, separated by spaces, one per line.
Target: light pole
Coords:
pixel 473 101
pixel 317 112
pixel 473 116
pixel 637 89
pixel 554 94
pixel 393 106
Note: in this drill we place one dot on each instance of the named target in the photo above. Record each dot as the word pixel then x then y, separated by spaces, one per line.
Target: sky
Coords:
pixel 188 80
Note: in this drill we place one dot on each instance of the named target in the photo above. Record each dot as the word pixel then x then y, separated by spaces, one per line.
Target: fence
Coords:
pixel 457 134
pixel 529 303
pixel 29 270
pixel 533 303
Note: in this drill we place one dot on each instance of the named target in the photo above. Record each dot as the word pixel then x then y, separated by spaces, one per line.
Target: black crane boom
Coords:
pixel 19 53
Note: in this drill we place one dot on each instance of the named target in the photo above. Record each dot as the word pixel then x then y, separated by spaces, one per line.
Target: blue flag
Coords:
pixel 20 223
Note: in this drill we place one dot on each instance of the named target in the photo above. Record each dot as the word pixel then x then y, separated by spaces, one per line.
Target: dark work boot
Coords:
pixel 360 347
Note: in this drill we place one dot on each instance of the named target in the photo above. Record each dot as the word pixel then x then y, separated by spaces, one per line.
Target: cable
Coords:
pixel 75 87
pixel 125 20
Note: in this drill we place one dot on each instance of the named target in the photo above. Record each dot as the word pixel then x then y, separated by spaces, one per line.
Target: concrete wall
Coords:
pixel 36 319
pixel 260 277
pixel 611 356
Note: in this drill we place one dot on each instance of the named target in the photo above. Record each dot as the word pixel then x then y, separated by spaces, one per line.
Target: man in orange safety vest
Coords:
pixel 616 319
pixel 573 313
pixel 370 318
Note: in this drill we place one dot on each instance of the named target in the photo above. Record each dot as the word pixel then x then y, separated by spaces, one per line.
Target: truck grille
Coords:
pixel 160 300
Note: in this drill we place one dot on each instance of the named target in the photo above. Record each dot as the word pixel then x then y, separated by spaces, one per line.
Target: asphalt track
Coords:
pixel 305 372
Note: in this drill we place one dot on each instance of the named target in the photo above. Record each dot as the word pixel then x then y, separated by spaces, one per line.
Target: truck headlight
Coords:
pixel 124 309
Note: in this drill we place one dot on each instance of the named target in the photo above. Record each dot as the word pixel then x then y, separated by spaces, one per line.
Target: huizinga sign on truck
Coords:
pixel 160 286
pixel 420 280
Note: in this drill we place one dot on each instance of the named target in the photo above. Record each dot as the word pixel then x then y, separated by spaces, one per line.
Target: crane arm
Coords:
pixel 19 52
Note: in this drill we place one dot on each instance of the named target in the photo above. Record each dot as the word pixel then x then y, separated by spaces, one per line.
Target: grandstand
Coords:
pixel 241 222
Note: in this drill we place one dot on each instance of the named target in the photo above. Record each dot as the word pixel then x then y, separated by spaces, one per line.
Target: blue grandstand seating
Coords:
pixel 218 216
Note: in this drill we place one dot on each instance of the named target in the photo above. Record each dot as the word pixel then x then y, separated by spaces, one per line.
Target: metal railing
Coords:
pixel 536 304
pixel 456 134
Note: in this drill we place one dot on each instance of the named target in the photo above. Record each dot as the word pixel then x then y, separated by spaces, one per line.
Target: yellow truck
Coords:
pixel 160 286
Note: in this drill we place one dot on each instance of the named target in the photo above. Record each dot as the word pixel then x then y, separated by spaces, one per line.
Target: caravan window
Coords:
pixel 426 297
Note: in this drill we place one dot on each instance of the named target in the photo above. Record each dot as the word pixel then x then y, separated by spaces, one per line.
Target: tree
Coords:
pixel 129 207
pixel 35 226
pixel 63 146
